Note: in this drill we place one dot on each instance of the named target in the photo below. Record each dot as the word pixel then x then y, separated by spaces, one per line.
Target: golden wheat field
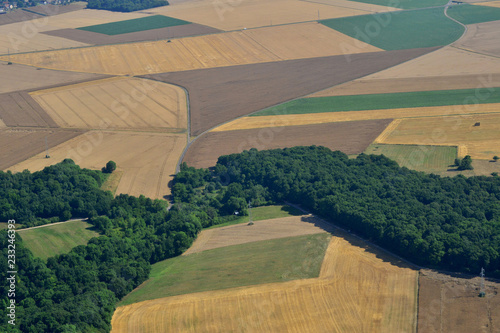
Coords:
pixel 358 290
pixel 330 117
pixel 237 15
pixel 148 160
pixel 118 102
pixel 489 4
pixel 480 142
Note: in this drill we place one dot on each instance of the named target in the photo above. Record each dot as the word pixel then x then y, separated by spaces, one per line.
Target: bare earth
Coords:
pixel 359 289
pixel 222 94
pixel 19 15
pixel 482 38
pixel 19 109
pixel 348 137
pixel 261 230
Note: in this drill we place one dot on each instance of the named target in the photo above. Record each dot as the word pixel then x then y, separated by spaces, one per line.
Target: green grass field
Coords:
pixel 112 181
pixel 415 157
pixel 471 14
pixel 140 24
pixel 56 239
pixel 406 4
pixel 263 213
pixel 379 101
pixel 254 263
pixel 400 30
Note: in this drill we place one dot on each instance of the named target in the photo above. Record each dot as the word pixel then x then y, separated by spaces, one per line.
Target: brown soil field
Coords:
pixel 17 15
pixel 438 63
pixel 451 304
pixel 222 94
pixel 348 137
pixel 330 117
pixel 261 230
pixel 95 38
pixel 481 141
pixel 383 86
pixel 248 14
pixel 52 10
pixel 482 38
pixel 117 102
pixel 359 289
pixel 148 160
pixel 18 77
pixel 17 145
pixel 20 15
pixel 19 109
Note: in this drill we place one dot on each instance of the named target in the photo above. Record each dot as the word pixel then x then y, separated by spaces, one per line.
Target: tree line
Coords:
pixel 125 5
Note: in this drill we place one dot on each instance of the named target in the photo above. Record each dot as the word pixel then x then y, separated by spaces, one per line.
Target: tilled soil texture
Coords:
pixel 17 145
pixel 452 304
pixel 218 95
pixel 482 38
pixel 20 109
pixel 348 137
pixel 95 38
pixel 20 15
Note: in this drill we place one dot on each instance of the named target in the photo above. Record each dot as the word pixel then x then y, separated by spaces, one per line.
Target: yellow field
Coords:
pixel 358 290
pixel 330 117
pixel 148 160
pixel 480 142
pixel 120 102
pixel 227 49
pixel 237 15
pixel 489 4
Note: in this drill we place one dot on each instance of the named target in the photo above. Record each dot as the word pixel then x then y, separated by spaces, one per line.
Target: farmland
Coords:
pixel 51 240
pixel 481 38
pixel 19 109
pixel 348 137
pixel 254 263
pixel 135 25
pixel 472 14
pixel 358 289
pixel 407 4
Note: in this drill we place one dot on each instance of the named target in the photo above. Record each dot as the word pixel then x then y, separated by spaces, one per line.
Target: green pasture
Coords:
pixel 134 25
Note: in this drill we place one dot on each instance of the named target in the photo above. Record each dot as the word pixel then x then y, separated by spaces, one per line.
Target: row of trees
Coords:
pixel 125 5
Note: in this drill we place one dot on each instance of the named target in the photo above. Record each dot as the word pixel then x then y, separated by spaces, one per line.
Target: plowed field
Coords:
pixel 19 109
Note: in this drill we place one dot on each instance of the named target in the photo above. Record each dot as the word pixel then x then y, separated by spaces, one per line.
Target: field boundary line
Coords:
pixel 49 224
pixel 388 130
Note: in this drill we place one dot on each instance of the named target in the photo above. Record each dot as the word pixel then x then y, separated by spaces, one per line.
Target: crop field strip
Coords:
pixel 349 137
pixel 359 289
pixel 47 10
pixel 406 4
pixel 135 153
pixel 255 87
pixel 135 25
pixel 495 4
pixel 88 104
pixel 482 38
pixel 472 14
pixel 20 110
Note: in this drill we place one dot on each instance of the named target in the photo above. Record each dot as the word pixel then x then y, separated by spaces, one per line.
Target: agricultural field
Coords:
pixel 135 25
pixel 480 142
pixel 118 103
pixel 430 159
pixel 148 160
pixel 482 38
pixel 472 14
pixel 257 86
pixel 495 4
pixel 258 262
pixel 20 15
pixel 51 240
pixel 445 302
pixel 258 13
pixel 407 4
pixel 349 137
pixel 359 289
pixel 19 109
pixel 404 30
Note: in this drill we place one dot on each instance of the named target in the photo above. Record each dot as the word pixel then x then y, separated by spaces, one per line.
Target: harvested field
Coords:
pixel 359 289
pixel 148 160
pixel 438 63
pixel 383 86
pixel 482 38
pixel 481 141
pixel 495 4
pixel 135 25
pixel 153 105
pixel 20 15
pixel 17 15
pixel 261 230
pixel 51 10
pixel 451 304
pixel 253 14
pixel 18 77
pixel 421 158
pixel 348 137
pixel 408 4
pixel 153 34
pixel 219 95
pixel 403 30
pixel 19 145
pixel 19 109
pixel 356 5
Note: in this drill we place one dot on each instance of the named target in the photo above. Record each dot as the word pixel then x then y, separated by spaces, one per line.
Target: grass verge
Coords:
pixel 263 213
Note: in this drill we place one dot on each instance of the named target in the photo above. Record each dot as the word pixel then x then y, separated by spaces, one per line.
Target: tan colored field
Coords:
pixel 489 4
pixel 218 50
pixel 355 5
pixel 237 15
pixel 481 141
pixel 438 63
pixel 359 290
pixel 482 38
pixel 383 86
pixel 148 160
pixel 261 230
pixel 330 117
pixel 119 102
